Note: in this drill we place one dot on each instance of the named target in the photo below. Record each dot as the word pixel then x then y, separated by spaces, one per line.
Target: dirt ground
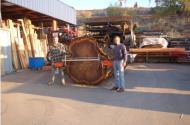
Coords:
pixel 156 94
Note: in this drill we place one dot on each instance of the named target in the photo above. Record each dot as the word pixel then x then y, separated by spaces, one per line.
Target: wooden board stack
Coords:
pixel 180 43
pixel 158 54
pixel 22 53
pixel 158 50
pixel 25 43
pixel 10 25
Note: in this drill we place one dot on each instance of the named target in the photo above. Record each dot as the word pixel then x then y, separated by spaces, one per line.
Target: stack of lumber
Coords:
pixel 25 42
pixel 25 37
pixel 13 34
pixel 180 43
pixel 158 50
pixel 158 54
pixel 22 53
pixel 38 48
pixel 185 59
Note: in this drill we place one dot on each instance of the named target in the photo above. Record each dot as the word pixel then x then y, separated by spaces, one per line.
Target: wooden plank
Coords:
pixel 26 40
pixel 22 53
pixel 3 24
pixel 44 46
pixel 31 34
pixel 31 38
pixel 38 51
pixel 13 45
pixel 54 25
pixel 23 57
pixel 145 50
pixel 38 47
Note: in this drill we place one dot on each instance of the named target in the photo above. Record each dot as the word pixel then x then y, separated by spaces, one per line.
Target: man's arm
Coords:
pixel 62 48
pixel 125 54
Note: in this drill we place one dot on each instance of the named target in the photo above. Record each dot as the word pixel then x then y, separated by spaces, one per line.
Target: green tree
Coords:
pixel 185 7
pixel 171 7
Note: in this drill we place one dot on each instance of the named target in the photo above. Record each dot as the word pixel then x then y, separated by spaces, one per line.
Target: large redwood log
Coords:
pixel 85 72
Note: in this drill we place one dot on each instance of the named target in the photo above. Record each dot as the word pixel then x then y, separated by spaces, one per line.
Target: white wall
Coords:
pixel 5 55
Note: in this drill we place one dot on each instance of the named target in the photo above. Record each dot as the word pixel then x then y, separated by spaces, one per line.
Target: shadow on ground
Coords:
pixel 169 77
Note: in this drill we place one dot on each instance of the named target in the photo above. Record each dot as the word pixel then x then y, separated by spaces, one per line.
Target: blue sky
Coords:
pixel 99 4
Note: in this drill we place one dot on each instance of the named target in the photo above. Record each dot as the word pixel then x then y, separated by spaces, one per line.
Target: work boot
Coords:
pixel 63 81
pixel 120 90
pixel 114 88
pixel 50 83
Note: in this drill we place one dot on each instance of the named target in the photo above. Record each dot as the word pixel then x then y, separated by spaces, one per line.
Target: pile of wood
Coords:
pixel 185 59
pixel 24 42
pixel 158 54
pixel 105 20
pixel 180 43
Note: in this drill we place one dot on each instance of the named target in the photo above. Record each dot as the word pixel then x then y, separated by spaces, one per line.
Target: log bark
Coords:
pixel 85 72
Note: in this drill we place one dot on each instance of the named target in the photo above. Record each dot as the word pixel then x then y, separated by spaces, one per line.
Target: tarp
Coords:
pixel 163 43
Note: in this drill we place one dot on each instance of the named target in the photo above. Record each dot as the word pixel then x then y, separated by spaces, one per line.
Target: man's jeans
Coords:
pixel 119 73
pixel 59 73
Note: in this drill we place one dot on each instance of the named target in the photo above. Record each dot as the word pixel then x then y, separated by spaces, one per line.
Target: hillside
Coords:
pixel 172 25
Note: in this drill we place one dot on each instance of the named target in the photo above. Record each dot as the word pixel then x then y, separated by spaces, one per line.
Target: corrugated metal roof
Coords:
pixel 54 8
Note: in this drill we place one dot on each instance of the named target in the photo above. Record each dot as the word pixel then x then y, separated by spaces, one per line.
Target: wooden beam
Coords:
pixel 54 25
pixel 11 8
pixel 156 50
pixel 13 45
pixel 26 40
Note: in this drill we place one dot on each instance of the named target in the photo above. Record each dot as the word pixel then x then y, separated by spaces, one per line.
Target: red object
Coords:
pixel 179 54
pixel 58 64
pixel 46 68
pixel 71 31
pixel 107 63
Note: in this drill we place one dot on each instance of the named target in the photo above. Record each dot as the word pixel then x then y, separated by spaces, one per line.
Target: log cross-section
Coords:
pixel 85 72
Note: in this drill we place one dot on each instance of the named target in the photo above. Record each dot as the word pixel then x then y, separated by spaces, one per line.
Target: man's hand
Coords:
pixel 124 64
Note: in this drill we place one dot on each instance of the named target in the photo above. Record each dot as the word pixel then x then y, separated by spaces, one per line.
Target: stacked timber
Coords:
pixel 24 42
pixel 10 25
pixel 180 43
pixel 158 54
pixel 38 46
pixel 157 50
pixel 22 53
pixel 25 37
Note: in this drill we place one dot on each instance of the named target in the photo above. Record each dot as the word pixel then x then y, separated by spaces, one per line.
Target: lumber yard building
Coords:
pixel 25 26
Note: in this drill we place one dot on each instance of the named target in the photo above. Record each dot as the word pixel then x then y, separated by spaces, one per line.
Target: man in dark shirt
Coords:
pixel 119 62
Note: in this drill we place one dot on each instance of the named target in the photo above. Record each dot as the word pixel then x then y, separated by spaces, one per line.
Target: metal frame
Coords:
pixel 80 59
